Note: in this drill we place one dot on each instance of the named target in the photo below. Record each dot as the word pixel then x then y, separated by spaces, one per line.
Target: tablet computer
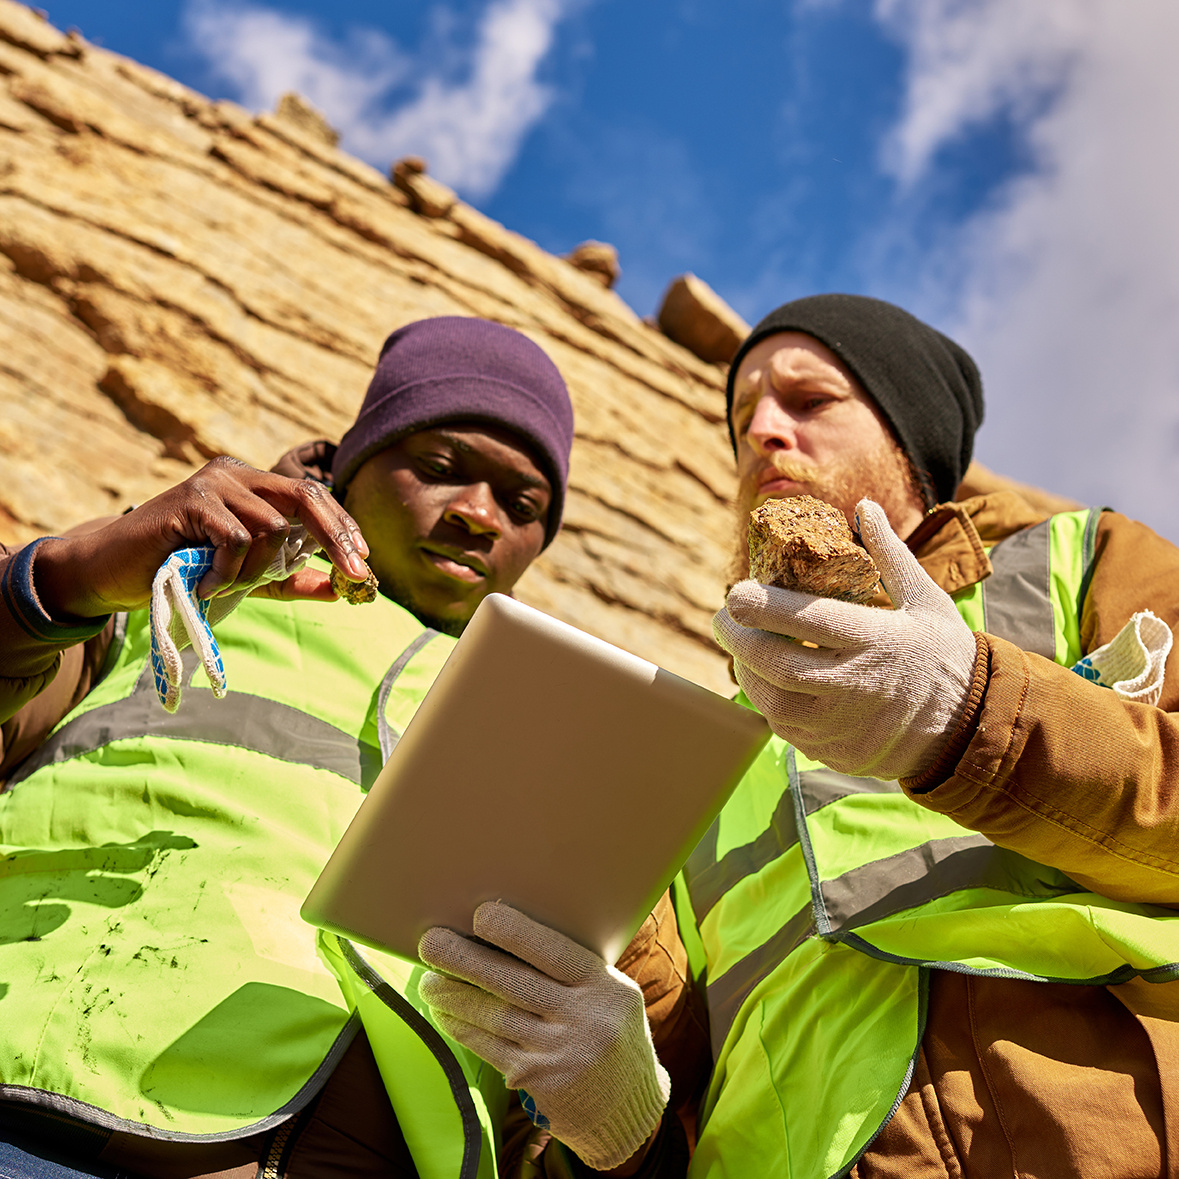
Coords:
pixel 547 769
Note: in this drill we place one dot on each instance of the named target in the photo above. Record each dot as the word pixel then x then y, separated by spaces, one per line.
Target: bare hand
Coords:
pixel 241 511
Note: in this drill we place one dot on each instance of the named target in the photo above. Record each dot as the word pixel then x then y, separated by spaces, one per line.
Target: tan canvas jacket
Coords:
pixel 1021 1078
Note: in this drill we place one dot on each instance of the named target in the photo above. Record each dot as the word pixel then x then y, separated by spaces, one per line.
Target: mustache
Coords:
pixel 790 468
pixel 785 466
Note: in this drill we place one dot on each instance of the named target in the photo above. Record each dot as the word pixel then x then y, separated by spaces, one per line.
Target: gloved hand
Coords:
pixel 179 617
pixel 557 1022
pixel 882 690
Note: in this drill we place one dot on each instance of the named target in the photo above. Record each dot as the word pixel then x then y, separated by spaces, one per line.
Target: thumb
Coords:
pixel 904 579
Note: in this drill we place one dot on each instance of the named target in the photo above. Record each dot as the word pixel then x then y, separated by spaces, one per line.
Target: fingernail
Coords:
pixel 359 541
pixel 357 567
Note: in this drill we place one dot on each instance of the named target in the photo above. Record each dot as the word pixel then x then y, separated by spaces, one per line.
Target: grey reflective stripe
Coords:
pixel 883 887
pixel 709 879
pixel 245 721
pixel 877 890
pixel 432 1038
pixel 821 787
pixel 48 1110
pixel 385 734
pixel 935 869
pixel 1017 597
pixel 904 881
pixel 727 994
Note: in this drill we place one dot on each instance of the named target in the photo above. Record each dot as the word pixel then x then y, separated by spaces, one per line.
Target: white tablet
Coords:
pixel 547 769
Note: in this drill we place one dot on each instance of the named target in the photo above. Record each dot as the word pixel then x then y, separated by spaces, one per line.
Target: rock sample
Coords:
pixel 804 544
pixel 694 315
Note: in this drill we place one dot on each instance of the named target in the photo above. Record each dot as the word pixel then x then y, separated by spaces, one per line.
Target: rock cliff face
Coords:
pixel 180 279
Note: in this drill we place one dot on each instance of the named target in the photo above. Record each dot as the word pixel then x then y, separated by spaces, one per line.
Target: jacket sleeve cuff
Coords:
pixel 19 594
pixel 959 741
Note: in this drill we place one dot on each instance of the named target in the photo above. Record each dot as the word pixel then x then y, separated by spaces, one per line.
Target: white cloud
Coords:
pixel 1067 284
pixel 970 60
pixel 471 132
pixel 469 128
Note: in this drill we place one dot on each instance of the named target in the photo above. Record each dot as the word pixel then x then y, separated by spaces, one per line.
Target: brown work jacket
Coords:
pixel 1036 1079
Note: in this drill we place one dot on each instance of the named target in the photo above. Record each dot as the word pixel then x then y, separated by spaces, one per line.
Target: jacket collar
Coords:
pixel 951 541
pixel 311 460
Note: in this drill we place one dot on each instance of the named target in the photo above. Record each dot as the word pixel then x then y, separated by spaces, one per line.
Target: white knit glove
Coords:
pixel 882 690
pixel 1134 662
pixel 179 617
pixel 556 1021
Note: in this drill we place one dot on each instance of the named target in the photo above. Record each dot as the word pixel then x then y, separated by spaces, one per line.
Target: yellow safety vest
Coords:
pixel 155 975
pixel 818 904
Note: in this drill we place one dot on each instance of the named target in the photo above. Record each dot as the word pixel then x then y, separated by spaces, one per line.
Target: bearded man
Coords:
pixel 933 924
pixel 934 915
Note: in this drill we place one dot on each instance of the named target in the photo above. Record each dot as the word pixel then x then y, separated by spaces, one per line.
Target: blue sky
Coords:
pixel 1006 169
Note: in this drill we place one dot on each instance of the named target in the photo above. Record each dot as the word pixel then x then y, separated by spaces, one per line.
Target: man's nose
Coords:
pixel 474 508
pixel 771 427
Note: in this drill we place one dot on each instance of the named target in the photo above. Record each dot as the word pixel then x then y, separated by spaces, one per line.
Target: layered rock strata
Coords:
pixel 180 278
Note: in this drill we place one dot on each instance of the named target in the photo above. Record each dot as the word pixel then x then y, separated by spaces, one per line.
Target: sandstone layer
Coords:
pixel 180 279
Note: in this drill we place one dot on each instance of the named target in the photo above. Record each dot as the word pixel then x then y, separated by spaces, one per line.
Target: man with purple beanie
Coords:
pixel 456 465
pixel 166 1011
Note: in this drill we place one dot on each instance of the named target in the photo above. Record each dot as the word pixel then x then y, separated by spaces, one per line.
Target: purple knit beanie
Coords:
pixel 456 369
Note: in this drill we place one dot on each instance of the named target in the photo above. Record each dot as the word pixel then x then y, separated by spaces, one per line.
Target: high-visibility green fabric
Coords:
pixel 155 975
pixel 823 901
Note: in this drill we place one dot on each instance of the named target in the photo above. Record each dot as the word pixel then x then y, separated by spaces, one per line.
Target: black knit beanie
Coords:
pixel 925 385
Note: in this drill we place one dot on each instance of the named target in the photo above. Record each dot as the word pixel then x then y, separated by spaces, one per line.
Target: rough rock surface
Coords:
pixel 179 278
pixel 805 544
pixel 694 315
pixel 597 259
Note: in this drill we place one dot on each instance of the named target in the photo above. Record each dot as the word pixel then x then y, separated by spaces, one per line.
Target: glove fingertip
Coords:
pixel 745 594
pixel 433 945
pixel 502 925
pixel 722 626
pixel 542 947
pixel 871 522
pixel 428 984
